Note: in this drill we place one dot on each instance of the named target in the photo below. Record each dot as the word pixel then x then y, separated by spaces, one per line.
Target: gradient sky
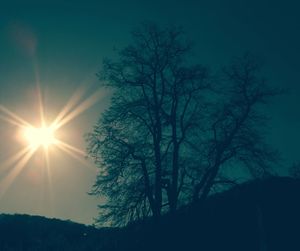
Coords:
pixel 62 44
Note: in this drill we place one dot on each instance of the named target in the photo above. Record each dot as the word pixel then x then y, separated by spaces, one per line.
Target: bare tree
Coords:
pixel 236 132
pixel 171 127
pixel 138 141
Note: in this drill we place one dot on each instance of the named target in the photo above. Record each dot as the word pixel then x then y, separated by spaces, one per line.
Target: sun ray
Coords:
pixel 14 116
pixel 11 121
pixel 76 157
pixel 39 93
pixel 87 103
pixel 40 104
pixel 45 171
pixel 76 97
pixel 72 148
pixel 13 159
pixel 48 170
pixel 48 177
pixel 15 172
pixel 47 160
pixel 73 101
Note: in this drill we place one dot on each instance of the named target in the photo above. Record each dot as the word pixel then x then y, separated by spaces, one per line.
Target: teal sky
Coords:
pixel 64 43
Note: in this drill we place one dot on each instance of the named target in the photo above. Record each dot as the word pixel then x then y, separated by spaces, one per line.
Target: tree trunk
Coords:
pixel 174 188
pixel 200 185
pixel 158 180
pixel 209 183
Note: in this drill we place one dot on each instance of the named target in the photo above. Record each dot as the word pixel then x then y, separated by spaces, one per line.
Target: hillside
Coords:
pixel 24 232
pixel 259 215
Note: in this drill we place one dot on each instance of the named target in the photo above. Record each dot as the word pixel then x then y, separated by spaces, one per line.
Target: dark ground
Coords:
pixel 259 215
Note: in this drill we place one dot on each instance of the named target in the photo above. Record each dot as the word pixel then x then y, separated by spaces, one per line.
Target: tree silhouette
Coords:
pixel 171 127
pixel 236 133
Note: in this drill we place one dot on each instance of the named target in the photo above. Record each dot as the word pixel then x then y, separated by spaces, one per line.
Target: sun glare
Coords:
pixel 45 136
pixel 37 137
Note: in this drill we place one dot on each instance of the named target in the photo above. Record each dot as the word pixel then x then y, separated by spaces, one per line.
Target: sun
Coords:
pixel 46 136
pixel 43 136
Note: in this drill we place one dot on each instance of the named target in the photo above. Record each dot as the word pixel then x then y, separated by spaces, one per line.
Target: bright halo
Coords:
pixel 37 137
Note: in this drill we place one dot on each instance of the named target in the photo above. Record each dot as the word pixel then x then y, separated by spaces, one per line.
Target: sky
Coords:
pixel 56 48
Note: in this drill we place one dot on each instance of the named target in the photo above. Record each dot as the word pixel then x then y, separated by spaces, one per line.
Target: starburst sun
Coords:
pixel 45 136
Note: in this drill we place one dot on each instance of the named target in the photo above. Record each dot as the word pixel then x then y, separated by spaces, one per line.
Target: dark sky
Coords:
pixel 62 45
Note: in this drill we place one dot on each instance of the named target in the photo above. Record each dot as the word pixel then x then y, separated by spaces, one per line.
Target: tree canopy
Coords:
pixel 171 126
